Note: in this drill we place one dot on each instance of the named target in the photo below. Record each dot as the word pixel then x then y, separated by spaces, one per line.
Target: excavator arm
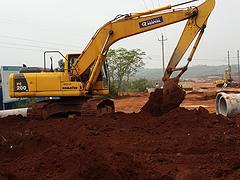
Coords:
pixel 195 26
pixel 131 24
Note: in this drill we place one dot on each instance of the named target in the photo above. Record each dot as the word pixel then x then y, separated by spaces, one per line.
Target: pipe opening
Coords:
pixel 219 95
pixel 222 106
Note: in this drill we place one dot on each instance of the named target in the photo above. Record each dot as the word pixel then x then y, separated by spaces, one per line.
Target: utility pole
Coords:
pixel 229 67
pixel 238 60
pixel 163 59
pixel 228 59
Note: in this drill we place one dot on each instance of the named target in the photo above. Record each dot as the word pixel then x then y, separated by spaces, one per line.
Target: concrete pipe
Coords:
pixel 228 104
pixel 219 95
pixel 21 111
pixel 150 90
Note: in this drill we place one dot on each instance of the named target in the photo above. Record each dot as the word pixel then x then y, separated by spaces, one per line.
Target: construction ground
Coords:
pixel 190 142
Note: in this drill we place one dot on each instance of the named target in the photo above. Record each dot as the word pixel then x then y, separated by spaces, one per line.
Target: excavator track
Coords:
pixel 70 107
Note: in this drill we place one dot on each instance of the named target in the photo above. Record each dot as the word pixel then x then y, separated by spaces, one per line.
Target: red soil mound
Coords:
pixel 180 144
pixel 163 100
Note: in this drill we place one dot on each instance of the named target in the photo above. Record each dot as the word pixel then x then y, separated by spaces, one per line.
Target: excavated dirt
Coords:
pixel 181 144
pixel 154 105
pixel 164 100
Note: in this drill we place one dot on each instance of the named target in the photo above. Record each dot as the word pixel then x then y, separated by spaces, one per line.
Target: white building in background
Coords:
pixel 5 100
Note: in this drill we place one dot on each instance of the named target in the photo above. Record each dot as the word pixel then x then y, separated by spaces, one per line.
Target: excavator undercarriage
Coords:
pixel 70 107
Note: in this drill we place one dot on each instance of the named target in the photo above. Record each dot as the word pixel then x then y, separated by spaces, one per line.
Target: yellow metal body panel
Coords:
pixel 47 84
pixel 11 85
pixel 220 82
pixel 99 85
pixel 32 81
pixel 65 77
pixel 49 94
pixel 47 81
pixel 100 92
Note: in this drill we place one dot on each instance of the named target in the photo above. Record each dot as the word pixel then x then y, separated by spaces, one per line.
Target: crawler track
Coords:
pixel 70 106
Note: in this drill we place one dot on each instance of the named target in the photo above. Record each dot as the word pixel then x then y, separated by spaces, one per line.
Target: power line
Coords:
pixel 145 4
pixel 9 47
pixel 152 4
pixel 32 40
pixel 147 9
pixel 34 46
pixel 194 59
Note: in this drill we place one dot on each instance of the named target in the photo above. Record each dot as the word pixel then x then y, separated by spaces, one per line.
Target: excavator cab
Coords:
pixel 102 80
pixel 71 58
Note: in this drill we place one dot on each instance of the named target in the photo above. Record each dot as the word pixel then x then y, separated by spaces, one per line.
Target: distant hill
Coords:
pixel 192 72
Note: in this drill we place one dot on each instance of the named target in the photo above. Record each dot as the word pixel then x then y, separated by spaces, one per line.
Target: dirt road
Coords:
pixel 134 102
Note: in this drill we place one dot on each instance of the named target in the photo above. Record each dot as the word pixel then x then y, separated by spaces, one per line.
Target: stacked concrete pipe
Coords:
pixel 228 104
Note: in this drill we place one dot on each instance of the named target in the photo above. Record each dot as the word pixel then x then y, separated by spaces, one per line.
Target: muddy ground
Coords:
pixel 181 144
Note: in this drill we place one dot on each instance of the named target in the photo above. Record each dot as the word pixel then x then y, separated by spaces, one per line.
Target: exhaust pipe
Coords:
pixel 227 104
pixel 12 112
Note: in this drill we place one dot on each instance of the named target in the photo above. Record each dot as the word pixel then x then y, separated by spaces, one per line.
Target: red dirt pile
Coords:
pixel 180 144
pixel 164 100
pixel 154 105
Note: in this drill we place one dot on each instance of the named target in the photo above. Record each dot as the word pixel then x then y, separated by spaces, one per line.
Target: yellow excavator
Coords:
pixel 227 80
pixel 84 76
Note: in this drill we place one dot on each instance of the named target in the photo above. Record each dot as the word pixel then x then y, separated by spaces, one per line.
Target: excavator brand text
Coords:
pixel 71 87
pixel 151 22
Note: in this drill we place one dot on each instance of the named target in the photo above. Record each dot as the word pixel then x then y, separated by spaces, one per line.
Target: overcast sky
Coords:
pixel 29 27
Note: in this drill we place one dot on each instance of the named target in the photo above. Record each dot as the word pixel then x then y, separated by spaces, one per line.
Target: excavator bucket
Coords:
pixel 164 100
pixel 173 95
pixel 106 106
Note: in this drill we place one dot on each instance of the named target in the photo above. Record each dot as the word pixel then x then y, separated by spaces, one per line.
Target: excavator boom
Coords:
pixel 131 24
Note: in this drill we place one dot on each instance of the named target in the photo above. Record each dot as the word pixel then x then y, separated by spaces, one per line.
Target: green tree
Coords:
pixel 122 64
pixel 139 85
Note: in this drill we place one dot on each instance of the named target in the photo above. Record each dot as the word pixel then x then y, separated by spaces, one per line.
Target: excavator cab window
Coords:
pixel 103 76
pixel 71 59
